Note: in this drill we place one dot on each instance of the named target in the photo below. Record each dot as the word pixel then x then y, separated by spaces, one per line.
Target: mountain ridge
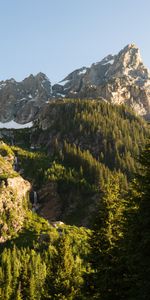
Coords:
pixel 119 79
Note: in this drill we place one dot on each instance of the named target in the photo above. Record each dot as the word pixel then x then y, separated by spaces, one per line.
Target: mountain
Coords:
pixel 120 78
pixel 21 101
pixel 75 164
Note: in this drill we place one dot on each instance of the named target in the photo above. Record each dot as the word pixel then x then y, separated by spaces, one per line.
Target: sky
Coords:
pixel 58 36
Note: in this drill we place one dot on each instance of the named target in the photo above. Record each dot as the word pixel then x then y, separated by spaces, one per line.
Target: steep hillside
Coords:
pixel 114 135
pixel 73 150
pixel 86 141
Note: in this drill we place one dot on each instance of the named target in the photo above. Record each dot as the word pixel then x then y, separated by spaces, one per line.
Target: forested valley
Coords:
pixel 88 236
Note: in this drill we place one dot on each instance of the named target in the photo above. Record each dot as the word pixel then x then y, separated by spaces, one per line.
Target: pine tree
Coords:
pixel 107 244
pixel 64 280
pixel 6 265
pixel 139 237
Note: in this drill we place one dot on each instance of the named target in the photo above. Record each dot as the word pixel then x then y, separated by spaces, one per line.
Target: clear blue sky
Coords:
pixel 58 36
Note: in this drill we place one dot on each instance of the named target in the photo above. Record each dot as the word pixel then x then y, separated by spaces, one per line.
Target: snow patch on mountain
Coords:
pixel 13 125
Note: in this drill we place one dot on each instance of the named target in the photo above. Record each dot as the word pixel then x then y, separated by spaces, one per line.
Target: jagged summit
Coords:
pixel 21 101
pixel 127 62
pixel 120 78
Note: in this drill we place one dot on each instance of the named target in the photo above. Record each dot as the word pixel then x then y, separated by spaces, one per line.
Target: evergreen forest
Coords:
pixel 88 237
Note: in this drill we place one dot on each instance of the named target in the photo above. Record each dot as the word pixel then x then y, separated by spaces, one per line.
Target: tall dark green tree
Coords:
pixel 107 260
pixel 64 278
pixel 139 234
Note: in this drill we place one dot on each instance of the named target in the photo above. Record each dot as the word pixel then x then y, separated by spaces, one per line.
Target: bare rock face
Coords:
pixel 121 78
pixel 13 199
pixel 21 101
pixel 51 205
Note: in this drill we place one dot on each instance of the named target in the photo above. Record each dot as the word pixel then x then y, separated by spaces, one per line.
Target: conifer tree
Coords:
pixel 107 244
pixel 139 237
pixel 64 278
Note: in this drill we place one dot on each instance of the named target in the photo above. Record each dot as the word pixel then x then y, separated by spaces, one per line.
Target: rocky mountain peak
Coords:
pixel 128 62
pixel 120 78
pixel 41 76
pixel 130 55
pixel 21 101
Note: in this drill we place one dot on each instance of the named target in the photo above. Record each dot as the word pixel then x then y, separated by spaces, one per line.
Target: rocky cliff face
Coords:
pixel 121 78
pixel 13 198
pixel 51 206
pixel 21 101
pixel 12 206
